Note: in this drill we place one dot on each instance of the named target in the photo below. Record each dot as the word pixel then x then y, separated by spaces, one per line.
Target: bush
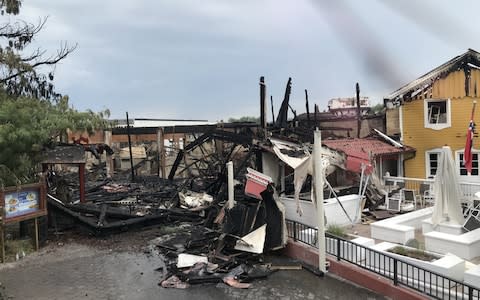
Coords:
pixel 337 230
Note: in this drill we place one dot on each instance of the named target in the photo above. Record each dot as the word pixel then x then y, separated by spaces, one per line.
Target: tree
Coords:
pixel 245 119
pixel 32 114
pixel 377 108
pixel 19 66
pixel 27 125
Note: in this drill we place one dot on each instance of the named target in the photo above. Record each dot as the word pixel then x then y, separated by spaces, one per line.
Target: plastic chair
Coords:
pixel 409 196
pixel 426 193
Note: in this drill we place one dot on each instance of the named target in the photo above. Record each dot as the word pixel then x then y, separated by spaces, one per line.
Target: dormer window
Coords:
pixel 437 113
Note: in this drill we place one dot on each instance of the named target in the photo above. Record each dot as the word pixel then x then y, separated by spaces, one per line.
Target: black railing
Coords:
pixel 400 271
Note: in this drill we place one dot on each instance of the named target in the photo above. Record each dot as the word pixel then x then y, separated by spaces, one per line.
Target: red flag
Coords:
pixel 467 154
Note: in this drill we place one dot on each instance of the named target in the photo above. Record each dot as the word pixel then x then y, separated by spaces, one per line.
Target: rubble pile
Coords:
pixel 231 253
pixel 216 240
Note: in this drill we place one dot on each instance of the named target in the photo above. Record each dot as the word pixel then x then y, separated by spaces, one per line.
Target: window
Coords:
pixel 437 113
pixel 461 166
pixel 431 162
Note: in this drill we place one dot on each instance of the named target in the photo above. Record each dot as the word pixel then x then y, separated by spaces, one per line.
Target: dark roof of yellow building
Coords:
pixel 466 61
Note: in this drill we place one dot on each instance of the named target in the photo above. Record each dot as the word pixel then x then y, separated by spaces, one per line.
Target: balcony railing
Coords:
pixel 422 186
pixel 400 272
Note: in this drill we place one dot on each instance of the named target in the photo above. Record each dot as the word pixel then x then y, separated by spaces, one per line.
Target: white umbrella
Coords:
pixel 447 192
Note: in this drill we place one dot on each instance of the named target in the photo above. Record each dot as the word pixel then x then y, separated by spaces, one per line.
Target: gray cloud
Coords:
pixel 202 59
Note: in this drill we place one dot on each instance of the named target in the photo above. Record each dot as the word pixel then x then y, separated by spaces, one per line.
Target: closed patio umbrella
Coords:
pixel 447 192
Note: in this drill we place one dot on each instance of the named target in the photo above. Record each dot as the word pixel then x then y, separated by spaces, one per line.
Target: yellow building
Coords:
pixel 433 111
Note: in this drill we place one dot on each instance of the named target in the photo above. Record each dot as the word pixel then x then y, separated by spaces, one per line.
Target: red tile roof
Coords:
pixel 358 151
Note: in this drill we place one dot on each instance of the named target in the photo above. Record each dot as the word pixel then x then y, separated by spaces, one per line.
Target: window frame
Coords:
pixel 458 161
pixel 427 161
pixel 441 126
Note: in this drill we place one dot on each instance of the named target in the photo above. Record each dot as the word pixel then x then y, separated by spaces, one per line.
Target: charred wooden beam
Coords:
pixel 103 214
pixel 130 147
pixel 95 210
pixel 273 113
pixel 307 107
pixel 359 116
pixel 215 134
pixel 283 112
pixel 263 114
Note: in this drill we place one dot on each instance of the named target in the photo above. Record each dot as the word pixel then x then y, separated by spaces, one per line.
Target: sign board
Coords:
pixel 23 203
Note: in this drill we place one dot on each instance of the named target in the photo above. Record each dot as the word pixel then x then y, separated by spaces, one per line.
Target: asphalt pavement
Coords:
pixel 75 270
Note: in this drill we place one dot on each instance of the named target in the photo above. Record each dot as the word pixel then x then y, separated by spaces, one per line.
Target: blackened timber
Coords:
pixel 359 116
pixel 161 216
pixel 273 113
pixel 215 134
pixel 263 120
pixel 294 112
pixel 308 109
pixel 175 165
pixel 103 214
pixel 283 112
pixel 130 148
pixel 111 212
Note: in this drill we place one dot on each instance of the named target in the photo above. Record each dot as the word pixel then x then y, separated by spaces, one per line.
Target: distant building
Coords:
pixel 348 106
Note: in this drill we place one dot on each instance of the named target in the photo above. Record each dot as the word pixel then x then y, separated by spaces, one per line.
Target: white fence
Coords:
pixel 423 186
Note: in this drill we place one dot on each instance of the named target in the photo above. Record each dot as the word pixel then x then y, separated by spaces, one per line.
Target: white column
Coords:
pixel 318 182
pixel 231 191
pixel 108 158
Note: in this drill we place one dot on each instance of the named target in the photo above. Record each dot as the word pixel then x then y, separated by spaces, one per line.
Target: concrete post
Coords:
pixel 231 191
pixel 108 158
pixel 318 183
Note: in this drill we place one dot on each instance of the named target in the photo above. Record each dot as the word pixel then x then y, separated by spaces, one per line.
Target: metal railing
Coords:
pixel 401 272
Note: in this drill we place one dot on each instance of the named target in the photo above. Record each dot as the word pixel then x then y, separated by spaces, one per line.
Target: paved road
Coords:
pixel 79 271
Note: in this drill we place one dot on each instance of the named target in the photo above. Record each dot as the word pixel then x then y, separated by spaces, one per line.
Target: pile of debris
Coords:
pixel 221 241
pixel 232 252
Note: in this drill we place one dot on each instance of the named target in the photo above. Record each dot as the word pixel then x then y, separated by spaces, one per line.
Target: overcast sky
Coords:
pixel 196 59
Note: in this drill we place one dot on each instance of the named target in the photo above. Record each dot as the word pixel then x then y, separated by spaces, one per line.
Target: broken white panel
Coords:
pixel 294 162
pixel 192 199
pixel 254 241
pixel 188 260
pixel 231 187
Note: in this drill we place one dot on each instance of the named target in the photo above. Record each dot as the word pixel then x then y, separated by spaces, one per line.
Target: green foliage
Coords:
pixel 414 253
pixel 337 230
pixel 32 113
pixel 19 64
pixel 27 124
pixel 377 108
pixel 245 119
pixel 10 6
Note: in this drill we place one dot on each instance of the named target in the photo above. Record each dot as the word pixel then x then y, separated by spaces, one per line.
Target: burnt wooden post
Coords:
pixel 130 147
pixel 263 112
pixel 159 150
pixel 315 116
pixel 283 112
pixel 359 117
pixel 81 175
pixel 308 109
pixel 273 113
